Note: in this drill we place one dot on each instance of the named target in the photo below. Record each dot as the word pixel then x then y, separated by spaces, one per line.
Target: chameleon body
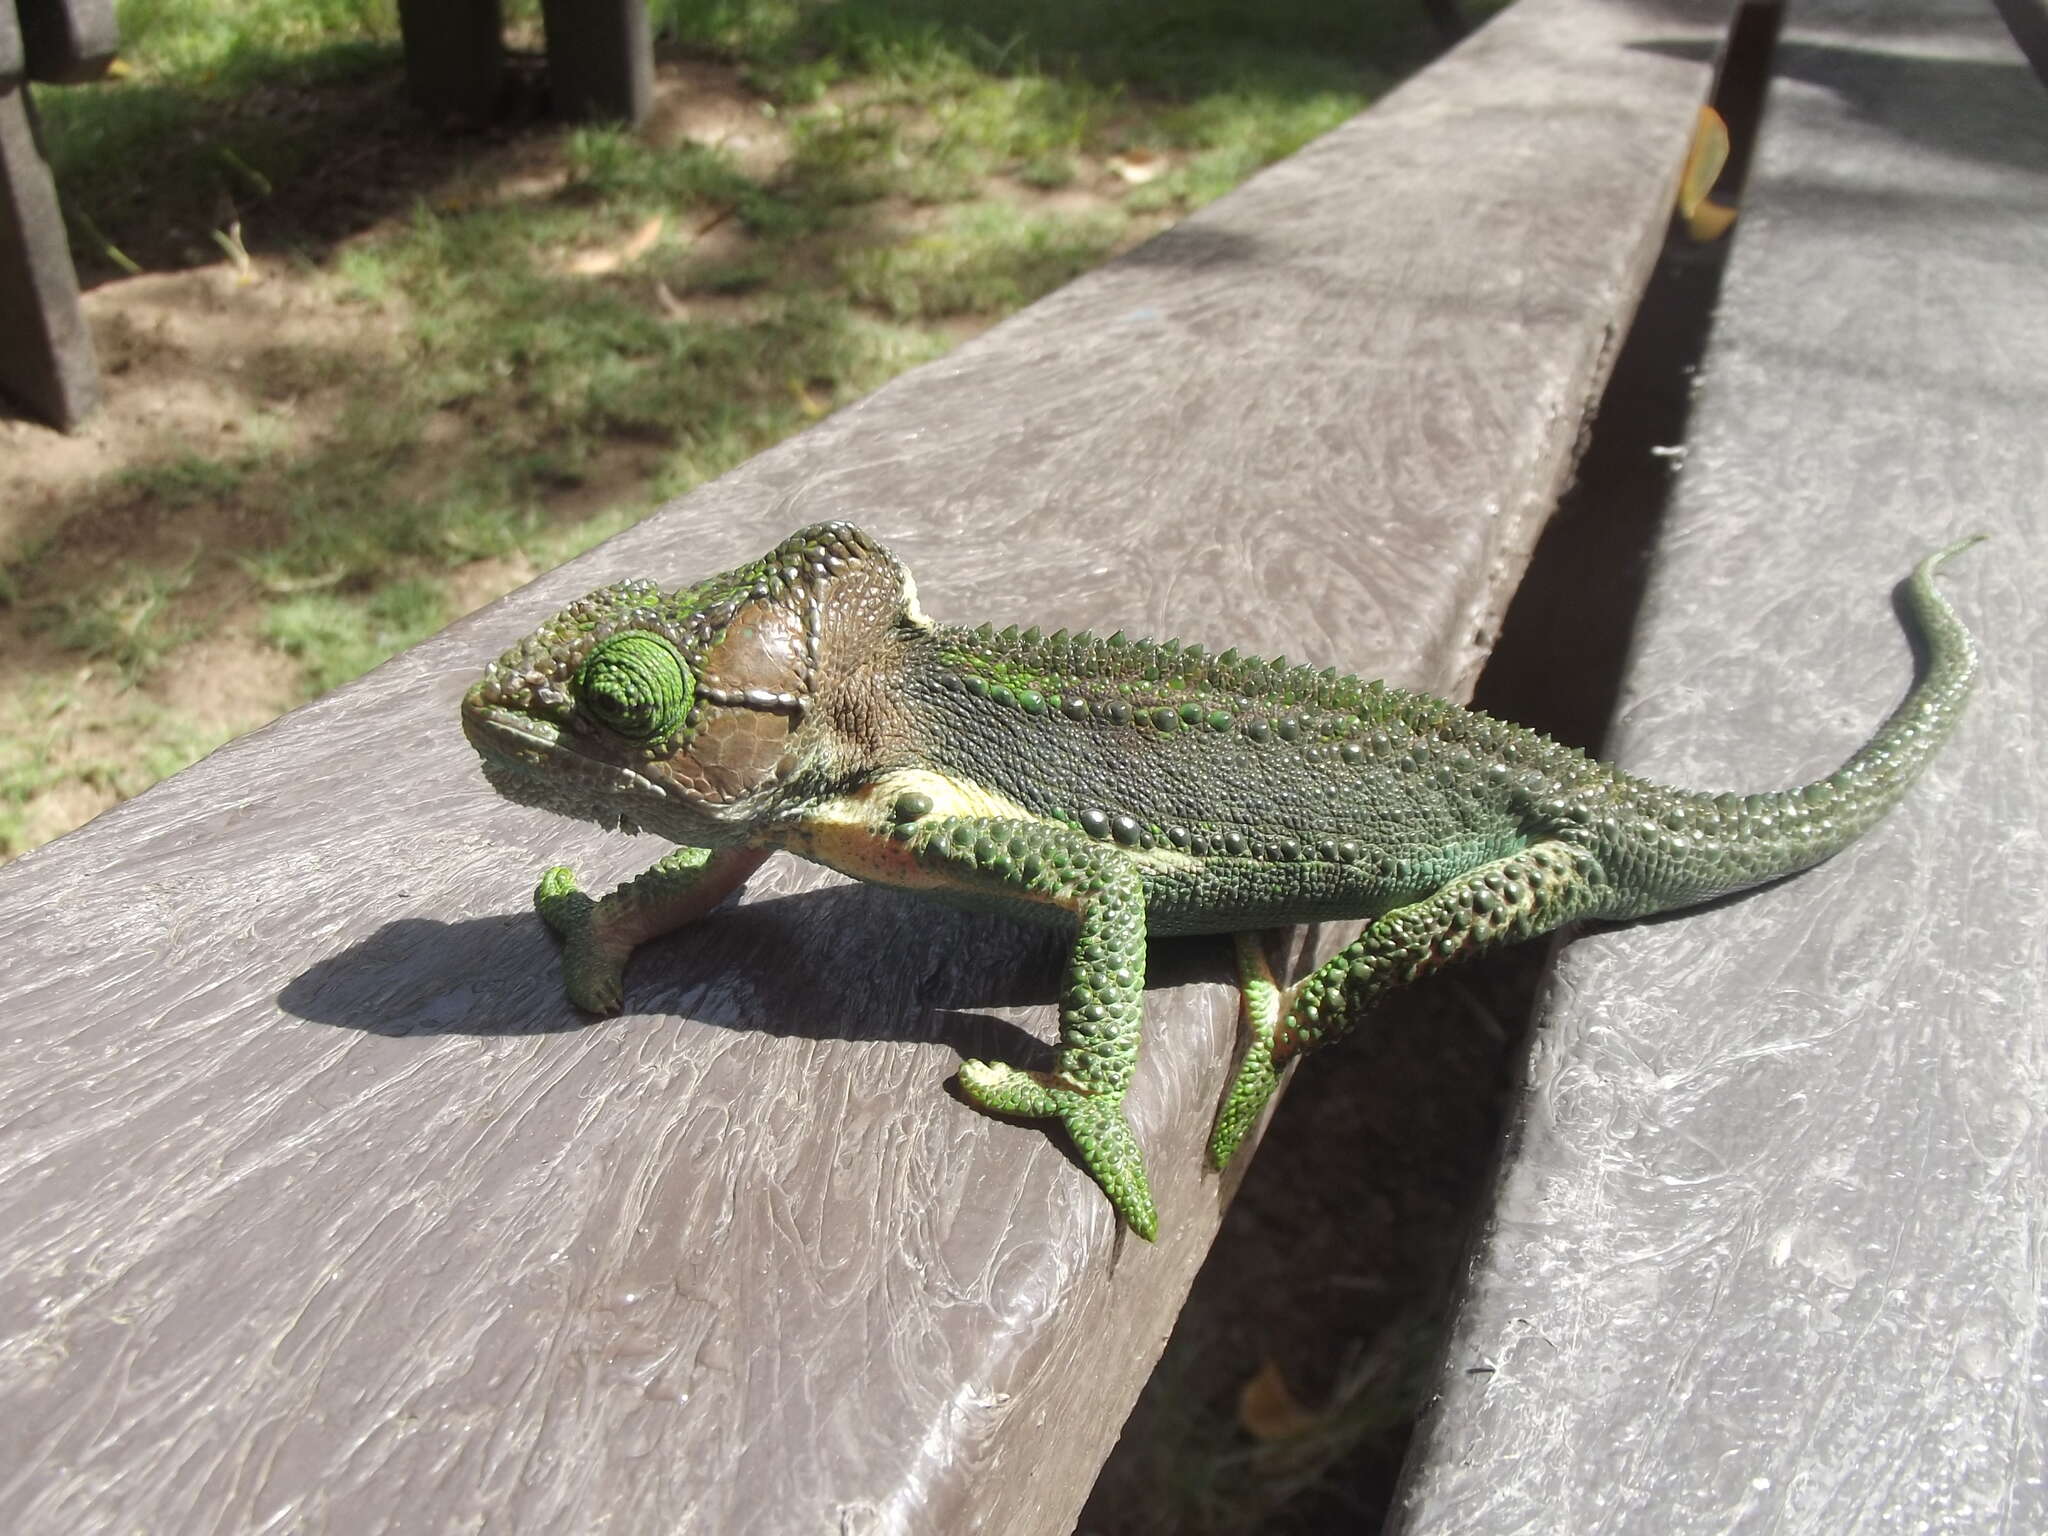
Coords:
pixel 1115 788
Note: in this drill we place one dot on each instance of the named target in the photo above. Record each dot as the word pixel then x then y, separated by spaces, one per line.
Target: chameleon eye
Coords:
pixel 635 684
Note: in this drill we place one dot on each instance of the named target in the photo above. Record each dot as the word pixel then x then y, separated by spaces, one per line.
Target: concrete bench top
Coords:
pixel 1766 1254
pixel 10 47
pixel 320 1208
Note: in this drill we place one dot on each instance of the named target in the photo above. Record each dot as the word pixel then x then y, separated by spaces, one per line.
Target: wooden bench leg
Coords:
pixel 600 59
pixel 454 55
pixel 46 357
pixel 68 42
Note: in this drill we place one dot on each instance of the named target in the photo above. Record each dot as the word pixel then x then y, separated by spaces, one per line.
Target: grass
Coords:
pixel 152 165
pixel 341 637
pixel 128 620
pixel 981 259
pixel 527 367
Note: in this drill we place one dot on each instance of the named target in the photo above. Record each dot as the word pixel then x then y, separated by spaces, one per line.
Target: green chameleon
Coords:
pixel 1115 788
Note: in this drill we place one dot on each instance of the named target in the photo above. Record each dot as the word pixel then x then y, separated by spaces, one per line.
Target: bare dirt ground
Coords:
pixel 180 357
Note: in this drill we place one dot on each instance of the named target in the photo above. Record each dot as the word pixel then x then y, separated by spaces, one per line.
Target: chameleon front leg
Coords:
pixel 598 936
pixel 1101 1003
pixel 1543 887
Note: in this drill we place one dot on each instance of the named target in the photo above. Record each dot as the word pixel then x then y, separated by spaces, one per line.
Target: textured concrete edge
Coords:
pixel 1467 1470
pixel 10 47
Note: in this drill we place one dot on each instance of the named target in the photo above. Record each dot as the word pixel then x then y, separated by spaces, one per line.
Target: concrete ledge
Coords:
pixel 321 1206
pixel 1766 1253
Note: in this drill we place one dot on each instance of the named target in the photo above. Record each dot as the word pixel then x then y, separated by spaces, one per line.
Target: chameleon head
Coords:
pixel 685 713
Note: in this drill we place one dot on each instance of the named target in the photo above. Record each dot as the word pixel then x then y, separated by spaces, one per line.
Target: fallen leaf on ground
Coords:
pixel 1137 166
pixel 1267 1408
pixel 610 258
pixel 671 306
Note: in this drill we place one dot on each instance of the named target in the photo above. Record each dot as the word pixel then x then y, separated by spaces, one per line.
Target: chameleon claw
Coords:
pixel 1095 1124
pixel 1103 1137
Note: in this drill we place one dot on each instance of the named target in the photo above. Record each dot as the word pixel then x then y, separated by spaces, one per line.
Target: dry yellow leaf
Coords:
pixel 1137 166
pixel 1267 1408
pixel 610 258
pixel 1703 162
pixel 642 241
pixel 1709 221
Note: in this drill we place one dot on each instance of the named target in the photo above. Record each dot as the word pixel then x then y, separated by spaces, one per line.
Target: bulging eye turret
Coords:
pixel 637 685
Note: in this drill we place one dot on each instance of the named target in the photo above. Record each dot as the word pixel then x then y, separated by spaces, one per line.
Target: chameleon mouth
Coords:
pixel 529 760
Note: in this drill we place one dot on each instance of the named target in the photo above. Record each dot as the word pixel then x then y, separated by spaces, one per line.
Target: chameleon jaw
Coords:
pixel 526 761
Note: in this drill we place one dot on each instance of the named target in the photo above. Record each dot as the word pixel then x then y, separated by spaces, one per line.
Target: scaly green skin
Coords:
pixel 1115 788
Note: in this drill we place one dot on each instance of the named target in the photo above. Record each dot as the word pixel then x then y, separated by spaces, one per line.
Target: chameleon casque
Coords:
pixel 1115 788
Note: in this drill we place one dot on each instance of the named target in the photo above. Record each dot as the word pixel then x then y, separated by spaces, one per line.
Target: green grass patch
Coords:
pixel 29 763
pixel 625 175
pixel 335 638
pixel 187 481
pixel 154 166
pixel 126 620
pixel 1172 49
pixel 146 742
pixel 506 331
pixel 986 259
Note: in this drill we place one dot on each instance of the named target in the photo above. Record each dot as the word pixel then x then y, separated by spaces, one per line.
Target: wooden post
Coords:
pixel 68 42
pixel 454 55
pixel 600 59
pixel 46 357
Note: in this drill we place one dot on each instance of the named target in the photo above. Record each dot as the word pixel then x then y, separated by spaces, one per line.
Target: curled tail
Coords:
pixel 1722 843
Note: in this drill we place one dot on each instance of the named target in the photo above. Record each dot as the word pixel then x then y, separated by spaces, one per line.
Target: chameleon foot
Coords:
pixel 1257 1076
pixel 598 936
pixel 1259 1073
pixel 593 953
pixel 1095 1123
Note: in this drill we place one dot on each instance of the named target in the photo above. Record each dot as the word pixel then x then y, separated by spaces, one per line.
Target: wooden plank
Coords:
pixel 1767 1254
pixel 68 42
pixel 320 1207
pixel 47 363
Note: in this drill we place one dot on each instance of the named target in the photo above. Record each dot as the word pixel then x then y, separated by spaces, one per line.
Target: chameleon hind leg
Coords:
pixel 1258 1075
pixel 1540 888
pixel 599 935
pixel 1101 1002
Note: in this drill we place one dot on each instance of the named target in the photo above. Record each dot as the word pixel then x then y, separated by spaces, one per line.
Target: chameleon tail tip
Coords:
pixel 1942 556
